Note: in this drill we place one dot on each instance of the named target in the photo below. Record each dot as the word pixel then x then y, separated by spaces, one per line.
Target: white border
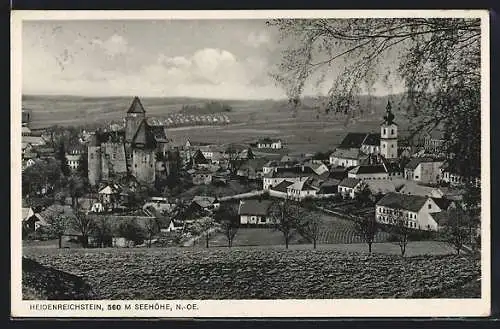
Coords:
pixel 254 308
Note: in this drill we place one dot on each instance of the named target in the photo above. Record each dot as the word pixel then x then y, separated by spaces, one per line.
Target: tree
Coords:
pixel 366 228
pixel 234 161
pixel 456 230
pixel 41 177
pixel 57 227
pixel 283 215
pixel 151 228
pixel 61 156
pixel 132 231
pixel 437 59
pixel 103 230
pixel 205 226
pixel 399 229
pixel 76 187
pixel 364 196
pixel 83 224
pixel 227 217
pixel 309 224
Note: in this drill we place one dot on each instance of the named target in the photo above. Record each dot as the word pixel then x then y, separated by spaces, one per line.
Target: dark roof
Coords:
pixel 281 187
pixel 254 207
pixel 107 136
pixel 442 203
pixel 349 182
pixel 372 139
pixel 144 135
pixel 136 106
pixel 416 161
pixel 267 140
pixel 368 169
pixel 159 133
pixel 395 200
pixel 441 217
pixel 199 158
pixel 352 140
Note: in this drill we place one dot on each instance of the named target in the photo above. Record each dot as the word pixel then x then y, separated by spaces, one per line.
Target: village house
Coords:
pixel 33 140
pixel 454 179
pixel 348 187
pixel 280 190
pixel 268 143
pixel 302 189
pixel 434 140
pixel 207 203
pixel 252 169
pixel 415 210
pixel 109 197
pixel 382 187
pixel 255 212
pixel 347 157
pixel 202 177
pixel 292 174
pixel 371 144
pixel 424 170
pixel 75 155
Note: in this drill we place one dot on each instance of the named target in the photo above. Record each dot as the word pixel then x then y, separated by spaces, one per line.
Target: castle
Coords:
pixel 140 150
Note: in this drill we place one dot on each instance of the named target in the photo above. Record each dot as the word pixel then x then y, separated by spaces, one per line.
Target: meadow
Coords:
pixel 309 129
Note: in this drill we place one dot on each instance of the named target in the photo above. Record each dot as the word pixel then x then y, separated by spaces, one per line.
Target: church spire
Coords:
pixel 389 116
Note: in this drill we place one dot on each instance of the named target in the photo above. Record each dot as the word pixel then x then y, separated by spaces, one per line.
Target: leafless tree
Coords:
pixel 283 214
pixel 102 229
pixel 84 224
pixel 437 59
pixel 57 226
pixel 309 223
pixel 366 228
pixel 205 226
pixel 456 231
pixel 400 230
pixel 228 219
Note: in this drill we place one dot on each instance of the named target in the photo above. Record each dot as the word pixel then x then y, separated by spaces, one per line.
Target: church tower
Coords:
pixel 135 115
pixel 389 135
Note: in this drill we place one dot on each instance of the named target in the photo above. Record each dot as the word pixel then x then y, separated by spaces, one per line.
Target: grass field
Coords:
pixel 308 131
pixel 255 273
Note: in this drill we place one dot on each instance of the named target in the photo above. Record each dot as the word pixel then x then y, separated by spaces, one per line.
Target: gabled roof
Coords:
pixel 350 182
pixel 372 139
pixel 443 203
pixel 351 153
pixel 368 169
pixel 352 140
pixel 302 185
pixel 268 140
pixel 136 106
pixel 144 135
pixel 281 187
pixel 441 218
pixel 204 201
pixel 159 133
pixel 413 164
pixel 254 207
pixel 400 201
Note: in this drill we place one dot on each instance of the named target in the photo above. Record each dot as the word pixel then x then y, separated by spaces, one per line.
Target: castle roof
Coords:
pixel 136 106
pixel 144 135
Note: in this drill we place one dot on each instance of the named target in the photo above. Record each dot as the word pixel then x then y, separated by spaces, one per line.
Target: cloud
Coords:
pixel 256 39
pixel 113 46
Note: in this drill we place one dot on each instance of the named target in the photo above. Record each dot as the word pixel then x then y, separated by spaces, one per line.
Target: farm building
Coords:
pixel 254 212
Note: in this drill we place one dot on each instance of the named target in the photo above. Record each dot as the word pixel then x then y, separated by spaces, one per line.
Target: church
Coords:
pixel 139 150
pixel 364 150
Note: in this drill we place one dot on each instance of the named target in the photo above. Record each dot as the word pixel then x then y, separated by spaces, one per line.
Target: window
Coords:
pixel 430 206
pixel 392 131
pixel 383 146
pixel 385 131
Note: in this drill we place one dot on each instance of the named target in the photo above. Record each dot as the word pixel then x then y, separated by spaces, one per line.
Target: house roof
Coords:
pixel 26 213
pixel 442 203
pixel 413 164
pixel 108 190
pixel 268 140
pixel 412 188
pixel 350 182
pixel 352 140
pixel 395 200
pixel 371 139
pixel 351 153
pixel 136 106
pixel 384 186
pixel 55 210
pixel 302 184
pixel 368 169
pixel 33 140
pixel 441 218
pixel 281 187
pixel 254 207
pixel 204 201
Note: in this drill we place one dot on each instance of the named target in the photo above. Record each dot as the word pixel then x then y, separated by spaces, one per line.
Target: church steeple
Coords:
pixel 389 116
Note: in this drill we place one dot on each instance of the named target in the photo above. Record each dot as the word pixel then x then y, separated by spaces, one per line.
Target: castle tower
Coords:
pixel 389 135
pixel 94 160
pixel 135 115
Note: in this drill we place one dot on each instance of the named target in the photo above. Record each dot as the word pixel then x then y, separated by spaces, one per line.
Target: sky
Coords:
pixel 227 59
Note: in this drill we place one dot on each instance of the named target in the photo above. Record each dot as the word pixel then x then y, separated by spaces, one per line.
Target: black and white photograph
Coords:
pixel 251 157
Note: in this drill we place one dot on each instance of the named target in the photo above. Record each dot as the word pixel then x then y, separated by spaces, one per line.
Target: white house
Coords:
pixel 347 157
pixel 206 202
pixel 415 210
pixel 255 212
pixel 371 144
pixel 274 178
pixel 349 186
pixel 424 170
pixel 268 143
pixel 280 190
pixel 302 189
